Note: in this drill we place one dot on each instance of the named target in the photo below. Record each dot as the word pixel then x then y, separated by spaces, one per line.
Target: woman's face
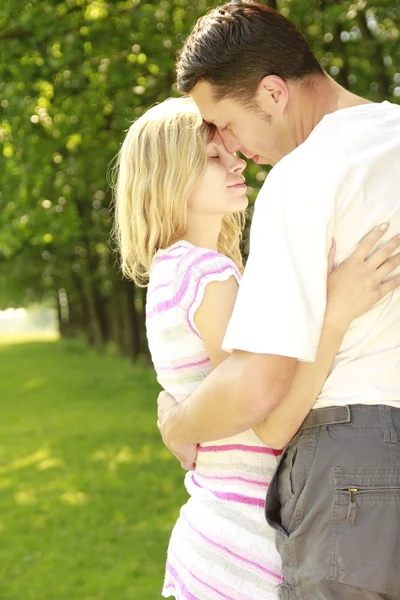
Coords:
pixel 221 189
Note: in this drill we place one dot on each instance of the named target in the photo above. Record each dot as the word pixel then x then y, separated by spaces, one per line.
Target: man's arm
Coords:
pixel 352 289
pixel 278 313
pixel 242 391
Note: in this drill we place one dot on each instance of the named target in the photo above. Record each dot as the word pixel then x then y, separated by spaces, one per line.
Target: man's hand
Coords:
pixel 167 411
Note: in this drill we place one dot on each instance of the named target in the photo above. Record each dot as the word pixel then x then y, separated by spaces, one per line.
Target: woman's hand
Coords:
pixel 362 279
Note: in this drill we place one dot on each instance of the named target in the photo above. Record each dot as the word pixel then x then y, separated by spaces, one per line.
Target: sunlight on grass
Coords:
pixel 74 498
pixel 145 455
pixel 89 494
pixel 26 461
pixel 49 463
pixel 25 338
pixel 26 497
pixel 34 384
pixel 5 483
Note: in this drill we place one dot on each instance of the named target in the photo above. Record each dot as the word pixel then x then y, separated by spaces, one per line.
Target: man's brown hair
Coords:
pixel 235 45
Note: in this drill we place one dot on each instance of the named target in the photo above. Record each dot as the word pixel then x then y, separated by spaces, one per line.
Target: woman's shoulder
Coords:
pixel 179 278
pixel 171 253
pixel 183 258
pixel 199 267
pixel 184 269
pixel 198 263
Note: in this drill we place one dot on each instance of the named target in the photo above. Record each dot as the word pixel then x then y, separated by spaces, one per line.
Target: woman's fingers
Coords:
pixel 379 256
pixel 389 286
pixel 368 242
pixel 390 265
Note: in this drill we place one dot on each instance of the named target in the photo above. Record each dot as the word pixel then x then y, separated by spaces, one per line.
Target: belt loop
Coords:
pixel 385 416
pixel 328 415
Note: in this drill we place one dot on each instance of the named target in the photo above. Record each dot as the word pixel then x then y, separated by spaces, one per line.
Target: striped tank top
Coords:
pixel 221 547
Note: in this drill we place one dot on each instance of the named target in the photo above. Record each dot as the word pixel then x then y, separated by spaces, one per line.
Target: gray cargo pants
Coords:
pixel 334 503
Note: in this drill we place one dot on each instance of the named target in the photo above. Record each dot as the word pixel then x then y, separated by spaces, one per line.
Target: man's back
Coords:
pixel 334 500
pixel 341 182
pixel 363 153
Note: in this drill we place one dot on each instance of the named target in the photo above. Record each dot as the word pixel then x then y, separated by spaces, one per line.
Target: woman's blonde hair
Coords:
pixel 160 161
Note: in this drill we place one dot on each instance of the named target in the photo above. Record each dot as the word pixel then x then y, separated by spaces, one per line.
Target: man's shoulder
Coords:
pixel 300 172
pixel 339 138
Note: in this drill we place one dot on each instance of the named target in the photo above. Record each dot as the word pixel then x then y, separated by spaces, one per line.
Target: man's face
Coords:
pixel 261 132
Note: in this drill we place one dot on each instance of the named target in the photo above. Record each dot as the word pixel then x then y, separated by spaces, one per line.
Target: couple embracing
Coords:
pixel 281 379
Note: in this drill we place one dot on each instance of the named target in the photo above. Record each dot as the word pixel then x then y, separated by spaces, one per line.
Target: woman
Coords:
pixel 180 202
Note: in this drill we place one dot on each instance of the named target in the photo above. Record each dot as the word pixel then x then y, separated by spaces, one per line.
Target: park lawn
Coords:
pixel 88 493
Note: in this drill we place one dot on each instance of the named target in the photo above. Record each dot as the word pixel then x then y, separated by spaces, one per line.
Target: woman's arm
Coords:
pixel 283 423
pixel 277 430
pixel 212 316
pixel 211 319
pixel 353 288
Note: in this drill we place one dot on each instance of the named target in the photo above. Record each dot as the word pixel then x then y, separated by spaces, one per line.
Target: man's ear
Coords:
pixel 273 94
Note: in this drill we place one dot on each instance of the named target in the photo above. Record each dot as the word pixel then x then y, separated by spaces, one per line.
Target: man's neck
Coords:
pixel 313 101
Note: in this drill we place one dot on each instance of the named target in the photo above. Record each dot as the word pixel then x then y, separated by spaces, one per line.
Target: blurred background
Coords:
pixel 88 494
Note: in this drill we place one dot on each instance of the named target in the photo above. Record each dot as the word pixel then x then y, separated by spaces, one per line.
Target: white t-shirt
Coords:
pixel 341 182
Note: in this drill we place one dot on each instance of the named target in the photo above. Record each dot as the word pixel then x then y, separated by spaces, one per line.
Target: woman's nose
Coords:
pixel 238 164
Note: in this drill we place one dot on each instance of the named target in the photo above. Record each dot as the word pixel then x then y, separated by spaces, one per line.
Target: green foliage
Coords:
pixel 74 74
pixel 89 494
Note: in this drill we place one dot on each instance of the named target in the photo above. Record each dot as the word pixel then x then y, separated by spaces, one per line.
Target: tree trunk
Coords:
pixel 97 338
pixel 91 324
pixel 125 326
pixel 62 325
pixel 131 330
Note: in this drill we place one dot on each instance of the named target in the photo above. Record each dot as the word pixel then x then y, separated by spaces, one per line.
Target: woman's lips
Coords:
pixel 240 184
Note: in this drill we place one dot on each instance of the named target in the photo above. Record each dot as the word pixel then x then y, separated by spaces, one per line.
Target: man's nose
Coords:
pixel 230 142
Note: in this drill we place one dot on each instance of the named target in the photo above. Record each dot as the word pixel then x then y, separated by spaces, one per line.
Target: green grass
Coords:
pixel 88 493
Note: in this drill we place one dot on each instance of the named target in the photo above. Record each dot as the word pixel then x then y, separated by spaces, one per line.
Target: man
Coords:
pixel 335 500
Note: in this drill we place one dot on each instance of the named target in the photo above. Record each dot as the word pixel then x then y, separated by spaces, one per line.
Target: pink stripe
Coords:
pixel 274 574
pixel 184 590
pixel 194 250
pixel 184 360
pixel 263 484
pixel 199 363
pixel 231 497
pixel 172 302
pixel 228 447
pixel 159 287
pixel 207 585
pixel 170 256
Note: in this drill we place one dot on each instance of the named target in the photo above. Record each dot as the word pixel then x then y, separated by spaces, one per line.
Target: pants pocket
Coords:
pixel 287 592
pixel 365 533
pixel 280 491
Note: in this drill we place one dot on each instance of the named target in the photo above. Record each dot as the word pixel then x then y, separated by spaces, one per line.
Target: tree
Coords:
pixel 74 74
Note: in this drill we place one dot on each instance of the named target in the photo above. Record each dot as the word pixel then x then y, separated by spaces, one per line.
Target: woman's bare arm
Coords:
pixel 353 289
